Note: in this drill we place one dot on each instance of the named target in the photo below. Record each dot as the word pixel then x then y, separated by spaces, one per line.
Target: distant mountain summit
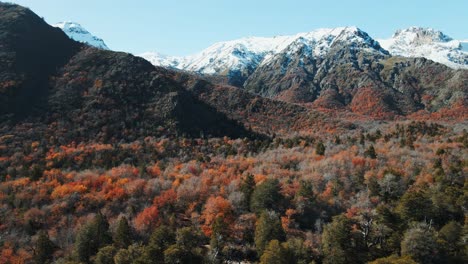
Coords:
pixel 76 32
pixel 237 59
pixel 430 44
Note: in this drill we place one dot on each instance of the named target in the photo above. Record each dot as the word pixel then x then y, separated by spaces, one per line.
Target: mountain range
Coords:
pixel 323 147
pixel 70 91
pixel 411 42
pixel 238 88
pixel 250 52
pixel 339 68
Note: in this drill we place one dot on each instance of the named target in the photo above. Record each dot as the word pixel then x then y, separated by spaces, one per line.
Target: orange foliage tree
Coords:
pixel 216 207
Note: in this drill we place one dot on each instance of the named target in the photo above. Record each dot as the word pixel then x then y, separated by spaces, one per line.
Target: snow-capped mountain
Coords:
pixel 228 55
pixel 246 54
pixel 243 56
pixel 428 43
pixel 76 32
pixel 319 42
pixel 299 72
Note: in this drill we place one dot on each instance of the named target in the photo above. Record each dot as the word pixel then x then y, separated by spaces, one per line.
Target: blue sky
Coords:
pixel 182 27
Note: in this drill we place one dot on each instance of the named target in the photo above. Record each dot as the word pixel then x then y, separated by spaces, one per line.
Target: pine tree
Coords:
pixel 370 152
pixel 160 240
pixel 123 234
pixel 106 255
pixel 298 251
pixel 266 196
pixel 83 244
pixel 100 228
pixel 131 255
pixel 186 249
pixel 305 205
pixel 450 237
pixel 218 236
pixel 91 238
pixel 415 206
pixel 362 139
pixel 44 249
pixel 320 149
pixel 305 190
pixel 275 253
pixel 174 255
pixel 268 227
pixel 247 187
pixel 337 140
pixel 36 172
pixel 337 241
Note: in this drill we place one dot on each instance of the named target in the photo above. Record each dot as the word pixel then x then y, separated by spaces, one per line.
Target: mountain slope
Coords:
pixel 341 68
pixel 73 92
pixel 30 52
pixel 76 32
pixel 90 94
pixel 428 43
pixel 361 79
pixel 290 74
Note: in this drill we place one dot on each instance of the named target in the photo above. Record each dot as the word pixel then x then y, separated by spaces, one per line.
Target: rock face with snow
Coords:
pixel 76 32
pixel 430 44
pixel 295 73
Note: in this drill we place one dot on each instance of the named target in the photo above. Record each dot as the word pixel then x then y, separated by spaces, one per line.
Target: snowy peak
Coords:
pixel 420 35
pixel 245 54
pixel 76 32
pixel 428 43
pixel 318 43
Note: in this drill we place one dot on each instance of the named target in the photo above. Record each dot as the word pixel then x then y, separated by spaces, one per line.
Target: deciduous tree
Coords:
pixel 420 244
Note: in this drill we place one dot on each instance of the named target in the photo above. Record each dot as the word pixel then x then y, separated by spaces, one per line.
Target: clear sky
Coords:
pixel 182 27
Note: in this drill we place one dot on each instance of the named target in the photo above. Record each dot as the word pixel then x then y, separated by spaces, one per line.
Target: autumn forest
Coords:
pixel 115 161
